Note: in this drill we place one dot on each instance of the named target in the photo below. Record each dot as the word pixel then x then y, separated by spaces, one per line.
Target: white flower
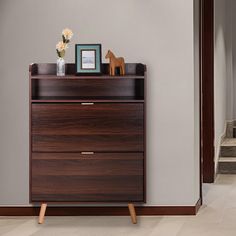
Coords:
pixel 61 46
pixel 67 33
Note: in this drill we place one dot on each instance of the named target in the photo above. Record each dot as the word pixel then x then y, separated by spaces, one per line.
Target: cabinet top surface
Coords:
pixel 48 71
pixel 74 77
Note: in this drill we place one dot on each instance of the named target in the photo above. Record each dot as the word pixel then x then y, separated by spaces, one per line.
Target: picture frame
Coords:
pixel 88 59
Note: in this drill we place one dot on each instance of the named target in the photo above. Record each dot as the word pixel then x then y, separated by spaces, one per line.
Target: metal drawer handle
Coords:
pixel 87 103
pixel 87 153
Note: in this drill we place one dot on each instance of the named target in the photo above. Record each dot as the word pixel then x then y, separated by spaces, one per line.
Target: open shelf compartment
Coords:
pixel 46 86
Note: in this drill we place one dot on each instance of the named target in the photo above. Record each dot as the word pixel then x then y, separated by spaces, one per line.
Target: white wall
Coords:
pixel 229 61
pixel 229 52
pixel 196 93
pixel 222 69
pixel 234 57
pixel 159 33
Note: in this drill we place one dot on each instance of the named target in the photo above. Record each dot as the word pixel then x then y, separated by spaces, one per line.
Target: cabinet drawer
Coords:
pixel 107 177
pixel 76 127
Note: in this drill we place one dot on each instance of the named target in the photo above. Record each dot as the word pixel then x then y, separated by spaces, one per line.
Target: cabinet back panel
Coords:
pixel 84 88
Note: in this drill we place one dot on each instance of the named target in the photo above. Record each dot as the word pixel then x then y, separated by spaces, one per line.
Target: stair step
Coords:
pixel 227 165
pixel 228 151
pixel 229 142
pixel 228 148
pixel 227 159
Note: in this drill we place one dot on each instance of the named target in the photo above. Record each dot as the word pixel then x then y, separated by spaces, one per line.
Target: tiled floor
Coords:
pixel 217 218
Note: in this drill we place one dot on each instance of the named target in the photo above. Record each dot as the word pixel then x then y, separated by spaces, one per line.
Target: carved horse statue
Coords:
pixel 115 62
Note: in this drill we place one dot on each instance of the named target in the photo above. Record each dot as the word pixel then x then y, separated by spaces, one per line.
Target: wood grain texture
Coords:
pixel 50 69
pixel 207 92
pixel 87 88
pixel 61 128
pixel 80 156
pixel 145 136
pixel 87 189
pixel 88 165
pixel 87 178
pixel 76 128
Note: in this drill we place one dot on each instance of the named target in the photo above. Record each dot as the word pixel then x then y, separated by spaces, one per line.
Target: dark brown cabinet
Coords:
pixel 87 136
pixel 105 177
pixel 98 127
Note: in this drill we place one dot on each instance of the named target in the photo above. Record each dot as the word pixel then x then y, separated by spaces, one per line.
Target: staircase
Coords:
pixel 227 160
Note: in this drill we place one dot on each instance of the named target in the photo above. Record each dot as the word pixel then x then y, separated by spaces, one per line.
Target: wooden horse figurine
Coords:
pixel 115 62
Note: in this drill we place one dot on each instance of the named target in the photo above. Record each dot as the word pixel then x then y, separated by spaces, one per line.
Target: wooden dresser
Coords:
pixel 87 137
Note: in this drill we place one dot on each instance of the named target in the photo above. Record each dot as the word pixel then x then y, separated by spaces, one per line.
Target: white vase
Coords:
pixel 61 66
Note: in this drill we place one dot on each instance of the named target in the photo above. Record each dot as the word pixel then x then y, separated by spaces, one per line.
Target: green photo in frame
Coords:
pixel 88 59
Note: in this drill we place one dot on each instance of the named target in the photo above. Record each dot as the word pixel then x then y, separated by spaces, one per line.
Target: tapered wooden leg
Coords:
pixel 42 213
pixel 132 213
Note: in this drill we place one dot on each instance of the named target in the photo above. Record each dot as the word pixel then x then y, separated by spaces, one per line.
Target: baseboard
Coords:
pixel 103 211
pixel 198 206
